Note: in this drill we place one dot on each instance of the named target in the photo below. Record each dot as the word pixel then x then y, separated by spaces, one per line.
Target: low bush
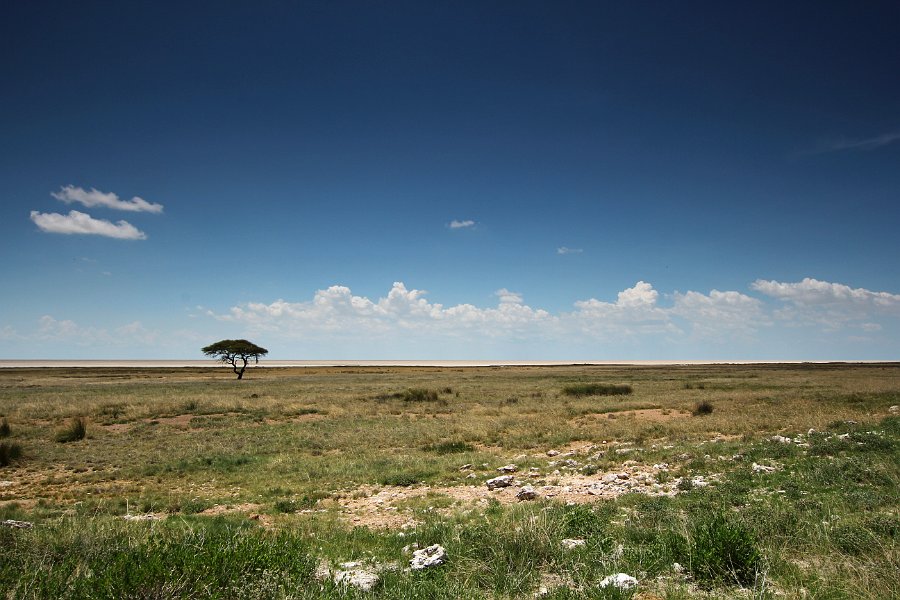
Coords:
pixel 702 408
pixel 9 451
pixel 597 389
pixel 5 431
pixel 74 431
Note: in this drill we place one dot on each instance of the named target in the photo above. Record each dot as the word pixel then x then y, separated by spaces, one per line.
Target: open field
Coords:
pixel 713 481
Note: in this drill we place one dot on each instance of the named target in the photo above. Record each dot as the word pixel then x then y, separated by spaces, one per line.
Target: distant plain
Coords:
pixel 796 464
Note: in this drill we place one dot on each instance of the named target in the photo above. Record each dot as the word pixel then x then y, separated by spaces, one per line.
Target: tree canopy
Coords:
pixel 237 353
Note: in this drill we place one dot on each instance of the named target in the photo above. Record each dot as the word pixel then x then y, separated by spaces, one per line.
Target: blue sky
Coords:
pixel 500 180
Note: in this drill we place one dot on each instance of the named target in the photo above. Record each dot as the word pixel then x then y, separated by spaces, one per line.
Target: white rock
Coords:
pixel 571 544
pixel 527 493
pixel 147 517
pixel 894 409
pixel 4 484
pixel 499 482
pixel 552 452
pixel 622 581
pixel 677 567
pixel 466 467
pixel 16 524
pixel 757 468
pixel 508 469
pixel 431 556
pixel 781 439
pixel 358 578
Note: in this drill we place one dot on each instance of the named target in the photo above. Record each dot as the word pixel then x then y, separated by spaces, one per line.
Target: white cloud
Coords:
pixel 509 297
pixel 832 305
pixel 871 143
pixel 814 292
pixel 720 311
pixel 54 330
pixel 95 197
pixel 407 313
pixel 566 250
pixel 454 224
pixel 80 223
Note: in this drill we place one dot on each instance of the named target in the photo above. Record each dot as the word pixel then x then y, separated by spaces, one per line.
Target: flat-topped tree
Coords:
pixel 237 353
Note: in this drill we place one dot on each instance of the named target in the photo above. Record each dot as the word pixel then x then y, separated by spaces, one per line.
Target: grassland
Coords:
pixel 727 481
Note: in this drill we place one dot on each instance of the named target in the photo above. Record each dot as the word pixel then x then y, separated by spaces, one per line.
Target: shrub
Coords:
pixel 74 431
pixel 723 550
pixel 419 395
pixel 9 451
pixel 449 447
pixel 702 408
pixel 597 389
pixel 5 431
pixel 410 395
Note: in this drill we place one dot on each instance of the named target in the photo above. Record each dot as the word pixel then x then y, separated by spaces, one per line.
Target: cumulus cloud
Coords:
pixel 454 224
pixel 80 223
pixel 812 291
pixel 832 305
pixel 95 197
pixel 567 250
pixel 639 314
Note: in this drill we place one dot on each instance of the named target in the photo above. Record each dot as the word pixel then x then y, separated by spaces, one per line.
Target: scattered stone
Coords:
pixel 471 476
pixel 757 468
pixel 431 556
pixel 894 409
pixel 17 524
pixel 499 482
pixel 508 469
pixel 677 567
pixel 621 581
pixel 147 517
pixel 571 544
pixel 552 452
pixel 466 467
pixel 4 484
pixel 358 578
pixel 527 493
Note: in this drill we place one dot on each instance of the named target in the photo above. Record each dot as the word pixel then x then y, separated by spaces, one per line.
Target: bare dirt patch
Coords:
pixel 655 415
pixel 383 507
pixel 227 509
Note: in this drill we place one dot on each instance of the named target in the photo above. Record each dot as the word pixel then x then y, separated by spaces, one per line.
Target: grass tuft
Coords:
pixel 723 550
pixel 5 431
pixel 9 451
pixel 597 389
pixel 702 408
pixel 74 431
pixel 454 447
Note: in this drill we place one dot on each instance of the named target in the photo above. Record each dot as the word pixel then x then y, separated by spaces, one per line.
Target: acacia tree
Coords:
pixel 236 353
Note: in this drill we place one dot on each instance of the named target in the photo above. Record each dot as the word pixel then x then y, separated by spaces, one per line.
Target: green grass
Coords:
pixel 302 449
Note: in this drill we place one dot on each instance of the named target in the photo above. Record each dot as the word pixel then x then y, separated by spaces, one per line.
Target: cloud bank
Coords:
pixel 80 223
pixel 95 197
pixel 638 314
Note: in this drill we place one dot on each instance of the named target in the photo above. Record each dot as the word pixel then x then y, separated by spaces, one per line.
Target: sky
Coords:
pixel 451 180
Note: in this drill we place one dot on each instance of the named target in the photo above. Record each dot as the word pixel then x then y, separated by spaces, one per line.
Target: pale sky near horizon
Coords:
pixel 451 180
